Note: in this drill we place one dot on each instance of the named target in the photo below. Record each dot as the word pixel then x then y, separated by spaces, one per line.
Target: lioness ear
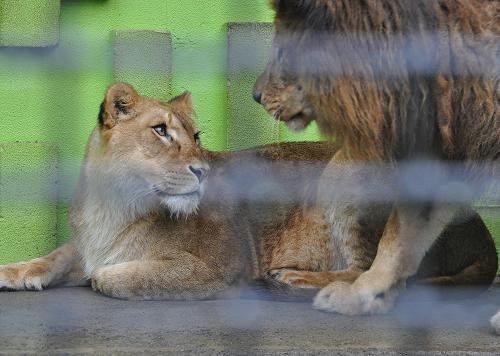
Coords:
pixel 183 102
pixel 119 105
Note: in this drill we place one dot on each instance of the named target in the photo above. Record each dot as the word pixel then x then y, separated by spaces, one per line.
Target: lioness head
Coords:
pixel 149 150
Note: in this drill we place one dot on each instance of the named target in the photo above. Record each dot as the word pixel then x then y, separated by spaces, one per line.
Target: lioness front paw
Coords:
pixel 345 298
pixel 105 280
pixel 21 276
pixel 116 281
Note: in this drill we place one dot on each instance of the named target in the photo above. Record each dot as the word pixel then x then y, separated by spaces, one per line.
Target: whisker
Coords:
pixel 140 194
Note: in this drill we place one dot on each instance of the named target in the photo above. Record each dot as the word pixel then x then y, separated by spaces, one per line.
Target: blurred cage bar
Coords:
pixel 56 59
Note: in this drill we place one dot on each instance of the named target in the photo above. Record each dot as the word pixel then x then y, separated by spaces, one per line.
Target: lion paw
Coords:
pixel 338 297
pixel 495 322
pixel 345 298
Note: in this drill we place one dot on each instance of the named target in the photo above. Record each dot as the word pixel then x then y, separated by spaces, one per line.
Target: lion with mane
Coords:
pixel 396 82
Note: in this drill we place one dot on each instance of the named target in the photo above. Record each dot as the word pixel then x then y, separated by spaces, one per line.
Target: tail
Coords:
pixel 270 289
pixel 470 282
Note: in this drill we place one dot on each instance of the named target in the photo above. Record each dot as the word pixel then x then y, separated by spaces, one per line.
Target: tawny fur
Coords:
pixel 131 238
pixel 301 253
pixel 143 226
pixel 254 219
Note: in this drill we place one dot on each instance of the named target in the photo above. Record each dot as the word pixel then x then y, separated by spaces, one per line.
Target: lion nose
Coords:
pixel 257 96
pixel 199 172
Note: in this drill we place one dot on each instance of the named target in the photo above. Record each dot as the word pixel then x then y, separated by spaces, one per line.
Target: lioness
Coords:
pixel 396 82
pixel 143 168
pixel 151 222
pixel 143 225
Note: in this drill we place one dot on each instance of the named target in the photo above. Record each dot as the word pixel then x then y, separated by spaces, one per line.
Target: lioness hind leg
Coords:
pixel 300 243
pixel 40 272
pixel 182 278
pixel 299 253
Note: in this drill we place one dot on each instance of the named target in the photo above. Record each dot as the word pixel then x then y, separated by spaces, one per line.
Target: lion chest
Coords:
pixel 341 224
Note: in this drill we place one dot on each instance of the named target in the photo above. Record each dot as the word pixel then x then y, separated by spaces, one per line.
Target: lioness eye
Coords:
pixel 162 131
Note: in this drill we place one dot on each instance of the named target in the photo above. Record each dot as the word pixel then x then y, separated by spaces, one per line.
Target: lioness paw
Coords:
pixel 345 298
pixel 22 277
pixel 495 322
pixel 105 281
pixel 115 281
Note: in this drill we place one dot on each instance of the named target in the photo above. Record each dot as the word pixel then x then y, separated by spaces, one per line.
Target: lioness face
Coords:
pixel 153 148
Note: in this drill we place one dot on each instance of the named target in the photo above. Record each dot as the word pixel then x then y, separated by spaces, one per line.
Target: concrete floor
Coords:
pixel 79 321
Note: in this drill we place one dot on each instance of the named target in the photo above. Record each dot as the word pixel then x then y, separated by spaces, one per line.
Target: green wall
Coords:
pixel 58 57
pixel 56 60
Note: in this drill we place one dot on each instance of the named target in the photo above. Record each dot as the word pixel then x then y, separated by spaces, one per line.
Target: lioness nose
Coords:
pixel 199 172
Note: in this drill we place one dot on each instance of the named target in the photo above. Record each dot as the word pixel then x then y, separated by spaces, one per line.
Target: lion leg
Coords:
pixel 60 266
pixel 409 233
pixel 186 277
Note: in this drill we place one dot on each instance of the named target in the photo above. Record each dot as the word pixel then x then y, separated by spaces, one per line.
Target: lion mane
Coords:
pixel 395 79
